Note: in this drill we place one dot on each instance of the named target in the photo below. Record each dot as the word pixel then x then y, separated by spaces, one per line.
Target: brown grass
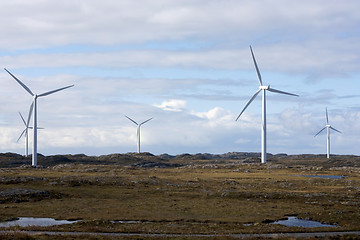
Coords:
pixel 194 199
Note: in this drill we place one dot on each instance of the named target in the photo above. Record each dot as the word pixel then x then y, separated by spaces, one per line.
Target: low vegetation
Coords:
pixel 185 194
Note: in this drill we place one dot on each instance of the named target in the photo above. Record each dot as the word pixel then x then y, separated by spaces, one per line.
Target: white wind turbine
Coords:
pixel 263 89
pixel 25 131
pixel 328 127
pixel 33 108
pixel 138 131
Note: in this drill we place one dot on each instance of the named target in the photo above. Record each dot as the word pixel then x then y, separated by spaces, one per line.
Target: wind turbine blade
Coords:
pixel 23 85
pixel 146 121
pixel 54 91
pixel 131 120
pixel 21 134
pixel 22 119
pixel 256 66
pixel 282 92
pixel 327 117
pixel 30 113
pixel 320 131
pixel 335 130
pixel 252 99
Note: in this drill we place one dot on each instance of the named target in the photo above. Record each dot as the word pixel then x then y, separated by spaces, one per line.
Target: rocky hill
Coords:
pixel 8 160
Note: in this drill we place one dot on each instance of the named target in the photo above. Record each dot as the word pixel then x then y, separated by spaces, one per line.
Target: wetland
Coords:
pixel 187 194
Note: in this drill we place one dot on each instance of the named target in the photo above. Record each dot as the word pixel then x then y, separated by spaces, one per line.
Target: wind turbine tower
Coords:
pixel 138 131
pixel 33 108
pixel 263 89
pixel 328 127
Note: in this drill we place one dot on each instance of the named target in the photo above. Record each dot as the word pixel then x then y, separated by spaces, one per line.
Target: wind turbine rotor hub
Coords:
pixel 264 87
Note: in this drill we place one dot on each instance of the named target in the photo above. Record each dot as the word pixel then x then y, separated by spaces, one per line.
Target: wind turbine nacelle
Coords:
pixel 328 126
pixel 264 87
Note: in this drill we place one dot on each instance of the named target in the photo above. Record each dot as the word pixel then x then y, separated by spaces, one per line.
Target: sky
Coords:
pixel 187 64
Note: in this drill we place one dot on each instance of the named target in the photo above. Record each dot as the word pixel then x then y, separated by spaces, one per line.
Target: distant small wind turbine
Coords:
pixel 328 127
pixel 263 89
pixel 138 131
pixel 26 132
pixel 34 109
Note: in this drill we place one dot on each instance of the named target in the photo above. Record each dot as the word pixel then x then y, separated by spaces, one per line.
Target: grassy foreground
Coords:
pixel 193 199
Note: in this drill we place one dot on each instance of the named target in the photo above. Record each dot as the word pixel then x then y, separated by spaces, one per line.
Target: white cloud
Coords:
pixel 175 105
pixel 316 59
pixel 113 22
pixel 217 117
pixel 192 60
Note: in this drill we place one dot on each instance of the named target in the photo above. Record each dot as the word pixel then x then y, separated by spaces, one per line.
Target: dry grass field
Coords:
pixel 195 198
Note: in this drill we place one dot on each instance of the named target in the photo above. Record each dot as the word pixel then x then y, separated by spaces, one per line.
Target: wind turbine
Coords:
pixel 138 131
pixel 25 131
pixel 33 106
pixel 328 127
pixel 263 89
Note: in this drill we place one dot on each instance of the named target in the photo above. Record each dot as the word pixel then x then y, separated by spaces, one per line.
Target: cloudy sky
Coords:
pixel 187 63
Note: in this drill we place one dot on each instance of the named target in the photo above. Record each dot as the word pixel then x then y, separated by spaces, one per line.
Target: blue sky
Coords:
pixel 188 65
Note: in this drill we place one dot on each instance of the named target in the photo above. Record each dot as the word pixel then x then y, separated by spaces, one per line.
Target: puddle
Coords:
pixel 28 221
pixel 324 176
pixel 125 221
pixel 296 222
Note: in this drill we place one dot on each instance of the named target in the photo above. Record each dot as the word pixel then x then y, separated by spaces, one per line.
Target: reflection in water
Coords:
pixel 323 176
pixel 28 221
pixel 125 221
pixel 43 222
pixel 296 222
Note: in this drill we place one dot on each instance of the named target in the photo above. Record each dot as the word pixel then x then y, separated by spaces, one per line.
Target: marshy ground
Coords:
pixel 191 195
